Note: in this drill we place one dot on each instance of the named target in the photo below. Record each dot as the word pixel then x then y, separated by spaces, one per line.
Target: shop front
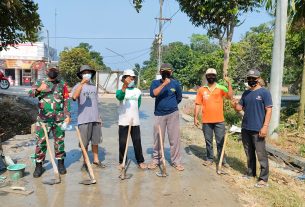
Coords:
pixel 23 64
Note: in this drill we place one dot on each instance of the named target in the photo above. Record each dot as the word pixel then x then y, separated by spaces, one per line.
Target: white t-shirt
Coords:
pixel 129 109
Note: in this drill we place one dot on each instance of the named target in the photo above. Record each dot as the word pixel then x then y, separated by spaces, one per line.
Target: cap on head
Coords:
pixel 83 68
pixel 128 72
pixel 253 73
pixel 211 71
pixel 166 66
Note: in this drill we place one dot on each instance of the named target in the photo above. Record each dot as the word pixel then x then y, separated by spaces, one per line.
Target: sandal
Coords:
pixel 178 167
pixel 142 166
pixel 207 163
pixel 152 166
pixel 99 164
pixel 261 184
pixel 120 167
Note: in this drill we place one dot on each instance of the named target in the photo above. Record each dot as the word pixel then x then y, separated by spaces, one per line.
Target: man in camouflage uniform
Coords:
pixel 54 107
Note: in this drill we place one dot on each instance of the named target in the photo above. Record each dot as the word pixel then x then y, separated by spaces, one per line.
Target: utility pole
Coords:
pixel 48 49
pixel 159 37
pixel 55 28
pixel 278 52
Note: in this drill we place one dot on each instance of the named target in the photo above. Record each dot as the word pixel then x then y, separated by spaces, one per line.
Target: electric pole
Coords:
pixel 159 37
pixel 55 28
pixel 278 52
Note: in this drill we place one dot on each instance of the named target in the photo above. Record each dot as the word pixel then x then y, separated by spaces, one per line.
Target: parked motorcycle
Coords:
pixel 4 83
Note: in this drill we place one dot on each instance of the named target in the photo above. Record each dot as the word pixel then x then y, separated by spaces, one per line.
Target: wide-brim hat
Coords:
pixel 84 68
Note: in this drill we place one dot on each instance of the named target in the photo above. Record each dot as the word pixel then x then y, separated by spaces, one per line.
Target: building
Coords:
pixel 24 63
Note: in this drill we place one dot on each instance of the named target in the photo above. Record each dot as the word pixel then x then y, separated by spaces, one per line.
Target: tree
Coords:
pixel 253 51
pixel 201 43
pixel 70 62
pixel 96 56
pixel 219 18
pixel 19 23
pixel 297 20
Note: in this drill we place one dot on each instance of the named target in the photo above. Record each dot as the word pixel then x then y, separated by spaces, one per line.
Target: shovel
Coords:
pixel 56 178
pixel 123 175
pixel 219 171
pixel 87 161
pixel 163 166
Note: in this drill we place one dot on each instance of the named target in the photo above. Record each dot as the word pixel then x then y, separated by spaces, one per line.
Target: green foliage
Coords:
pixel 231 116
pixel 70 62
pixel 202 44
pixel 253 51
pixel 96 56
pixel 19 23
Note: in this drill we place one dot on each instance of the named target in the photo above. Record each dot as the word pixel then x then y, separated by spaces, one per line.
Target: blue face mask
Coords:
pixel 87 76
pixel 131 84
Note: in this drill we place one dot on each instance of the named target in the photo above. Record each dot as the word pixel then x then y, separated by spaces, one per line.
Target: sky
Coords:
pixel 118 19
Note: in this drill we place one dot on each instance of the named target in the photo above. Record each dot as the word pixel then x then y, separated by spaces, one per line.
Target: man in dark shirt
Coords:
pixel 257 105
pixel 168 94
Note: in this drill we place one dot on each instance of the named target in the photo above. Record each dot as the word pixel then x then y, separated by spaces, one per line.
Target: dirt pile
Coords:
pixel 16 116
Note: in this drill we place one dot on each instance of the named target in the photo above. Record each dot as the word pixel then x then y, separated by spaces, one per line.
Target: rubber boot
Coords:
pixel 38 170
pixel 61 167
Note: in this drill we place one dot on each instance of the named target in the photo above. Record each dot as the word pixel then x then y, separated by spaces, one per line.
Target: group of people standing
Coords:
pixel 54 112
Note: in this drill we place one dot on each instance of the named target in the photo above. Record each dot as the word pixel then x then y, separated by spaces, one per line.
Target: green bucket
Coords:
pixel 16 171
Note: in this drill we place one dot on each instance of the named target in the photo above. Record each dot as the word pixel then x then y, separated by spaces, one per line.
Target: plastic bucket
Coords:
pixel 16 171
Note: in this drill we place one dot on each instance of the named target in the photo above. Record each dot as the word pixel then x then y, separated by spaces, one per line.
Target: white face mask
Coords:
pixel 87 76
pixel 131 84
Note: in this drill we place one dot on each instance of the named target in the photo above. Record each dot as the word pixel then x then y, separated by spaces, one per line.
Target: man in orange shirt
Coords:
pixel 210 98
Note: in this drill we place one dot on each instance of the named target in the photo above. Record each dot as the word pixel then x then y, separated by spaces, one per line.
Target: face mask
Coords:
pixel 252 84
pixel 211 80
pixel 165 74
pixel 131 84
pixel 52 74
pixel 87 76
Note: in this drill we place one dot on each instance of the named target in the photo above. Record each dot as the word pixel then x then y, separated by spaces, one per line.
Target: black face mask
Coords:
pixel 52 74
pixel 252 84
pixel 211 80
pixel 165 75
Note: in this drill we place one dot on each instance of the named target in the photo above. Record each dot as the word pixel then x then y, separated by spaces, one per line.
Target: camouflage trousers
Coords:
pixel 41 144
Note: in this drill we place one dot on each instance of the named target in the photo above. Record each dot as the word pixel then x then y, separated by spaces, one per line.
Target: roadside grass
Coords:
pixel 284 190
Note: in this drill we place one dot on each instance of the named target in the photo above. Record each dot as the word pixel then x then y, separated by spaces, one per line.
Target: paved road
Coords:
pixel 196 186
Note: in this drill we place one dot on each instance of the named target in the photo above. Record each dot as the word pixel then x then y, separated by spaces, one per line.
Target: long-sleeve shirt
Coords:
pixel 54 102
pixel 130 102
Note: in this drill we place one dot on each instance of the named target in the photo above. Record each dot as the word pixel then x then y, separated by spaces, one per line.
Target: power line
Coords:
pixel 105 38
pixel 164 28
pixel 114 63
pixel 128 53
